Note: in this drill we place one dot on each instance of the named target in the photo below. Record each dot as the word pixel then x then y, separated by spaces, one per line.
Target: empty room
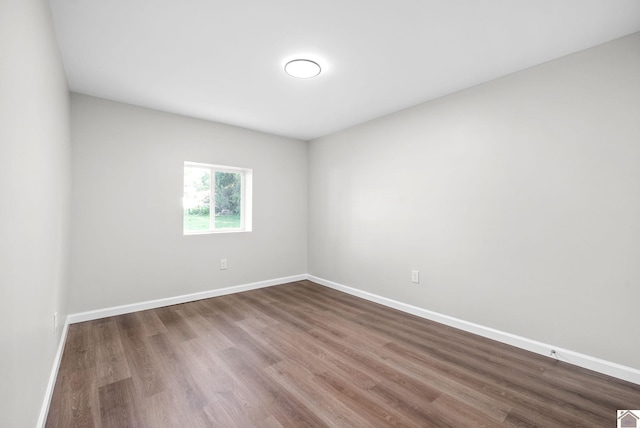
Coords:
pixel 320 214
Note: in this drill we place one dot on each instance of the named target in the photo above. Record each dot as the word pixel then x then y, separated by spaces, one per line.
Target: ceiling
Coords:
pixel 223 60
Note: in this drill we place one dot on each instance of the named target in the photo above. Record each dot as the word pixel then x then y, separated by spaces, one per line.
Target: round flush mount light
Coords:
pixel 302 68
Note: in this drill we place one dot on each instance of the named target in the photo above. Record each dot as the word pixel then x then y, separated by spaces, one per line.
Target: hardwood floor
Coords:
pixel 302 355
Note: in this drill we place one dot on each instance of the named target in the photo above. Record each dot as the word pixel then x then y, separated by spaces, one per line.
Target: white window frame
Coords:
pixel 246 193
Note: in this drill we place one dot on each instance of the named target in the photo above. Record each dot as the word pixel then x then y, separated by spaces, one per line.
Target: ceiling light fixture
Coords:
pixel 302 68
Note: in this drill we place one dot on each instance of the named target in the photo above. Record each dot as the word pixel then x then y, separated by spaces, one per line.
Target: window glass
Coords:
pixel 216 199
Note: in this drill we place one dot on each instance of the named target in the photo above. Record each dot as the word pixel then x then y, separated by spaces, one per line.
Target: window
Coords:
pixel 216 199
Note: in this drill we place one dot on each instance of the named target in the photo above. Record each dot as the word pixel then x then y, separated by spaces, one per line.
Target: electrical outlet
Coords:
pixel 55 322
pixel 223 264
pixel 415 277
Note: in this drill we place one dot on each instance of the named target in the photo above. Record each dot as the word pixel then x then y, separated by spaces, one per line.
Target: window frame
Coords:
pixel 246 207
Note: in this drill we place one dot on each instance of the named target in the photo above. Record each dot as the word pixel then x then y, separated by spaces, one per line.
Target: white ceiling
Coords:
pixel 223 60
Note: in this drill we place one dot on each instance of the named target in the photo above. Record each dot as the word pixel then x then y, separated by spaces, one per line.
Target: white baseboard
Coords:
pixel 602 366
pixel 158 303
pixel 48 394
pixel 598 365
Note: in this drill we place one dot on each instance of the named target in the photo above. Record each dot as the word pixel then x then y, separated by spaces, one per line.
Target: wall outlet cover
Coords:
pixel 415 276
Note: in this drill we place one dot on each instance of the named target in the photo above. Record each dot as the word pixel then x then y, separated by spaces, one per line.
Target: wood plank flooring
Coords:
pixel 302 355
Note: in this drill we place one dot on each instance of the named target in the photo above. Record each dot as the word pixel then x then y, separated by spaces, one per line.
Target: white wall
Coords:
pixel 517 200
pixel 34 206
pixel 127 241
